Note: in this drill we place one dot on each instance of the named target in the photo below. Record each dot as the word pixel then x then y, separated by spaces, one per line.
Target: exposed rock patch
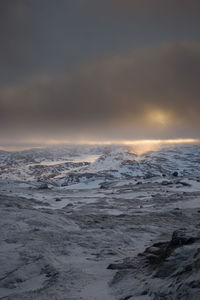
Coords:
pixel 165 270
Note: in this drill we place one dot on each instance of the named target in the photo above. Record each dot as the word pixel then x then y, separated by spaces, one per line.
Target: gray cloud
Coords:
pixel 37 36
pixel 90 67
pixel 116 97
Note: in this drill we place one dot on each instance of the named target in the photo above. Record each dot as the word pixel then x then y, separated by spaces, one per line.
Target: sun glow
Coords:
pixel 143 148
pixel 121 142
pixel 159 117
pixel 138 146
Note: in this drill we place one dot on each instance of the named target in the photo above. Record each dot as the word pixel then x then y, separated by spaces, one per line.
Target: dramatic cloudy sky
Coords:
pixel 99 69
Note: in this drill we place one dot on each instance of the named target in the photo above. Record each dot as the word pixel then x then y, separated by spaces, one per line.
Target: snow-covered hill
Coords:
pixel 63 166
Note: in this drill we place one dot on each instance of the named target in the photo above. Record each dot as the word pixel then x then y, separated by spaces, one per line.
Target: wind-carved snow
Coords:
pixel 113 162
pixel 69 212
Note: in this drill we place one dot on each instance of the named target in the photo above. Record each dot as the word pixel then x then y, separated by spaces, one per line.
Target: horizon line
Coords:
pixel 33 144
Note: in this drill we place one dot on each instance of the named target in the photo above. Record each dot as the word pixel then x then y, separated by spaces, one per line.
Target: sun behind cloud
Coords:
pixel 159 117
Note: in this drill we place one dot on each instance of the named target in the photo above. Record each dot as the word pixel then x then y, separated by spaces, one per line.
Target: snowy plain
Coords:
pixel 68 212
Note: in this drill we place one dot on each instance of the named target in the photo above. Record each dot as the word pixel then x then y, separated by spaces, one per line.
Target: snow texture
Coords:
pixel 77 223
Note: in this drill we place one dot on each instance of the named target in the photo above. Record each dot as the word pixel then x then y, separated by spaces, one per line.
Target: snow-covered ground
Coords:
pixel 67 212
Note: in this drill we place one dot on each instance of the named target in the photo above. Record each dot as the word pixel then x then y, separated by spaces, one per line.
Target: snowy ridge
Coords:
pixel 65 167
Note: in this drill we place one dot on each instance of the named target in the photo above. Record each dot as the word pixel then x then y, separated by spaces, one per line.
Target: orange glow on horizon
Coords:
pixel 123 142
pixel 141 146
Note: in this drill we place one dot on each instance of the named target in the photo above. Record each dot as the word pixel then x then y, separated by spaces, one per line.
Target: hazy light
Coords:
pixel 140 146
pixel 158 117
pixel 124 142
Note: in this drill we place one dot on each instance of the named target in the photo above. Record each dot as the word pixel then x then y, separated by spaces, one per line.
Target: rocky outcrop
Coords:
pixel 165 270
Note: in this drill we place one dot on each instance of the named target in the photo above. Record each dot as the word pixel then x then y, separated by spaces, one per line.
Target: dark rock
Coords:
pixel 175 174
pixel 126 297
pixel 176 262
pixel 126 264
pixel 57 199
pixel 43 186
pixel 104 185
pixel 182 237
pixel 165 182
pixel 184 183
pixel 153 258
pixel 158 252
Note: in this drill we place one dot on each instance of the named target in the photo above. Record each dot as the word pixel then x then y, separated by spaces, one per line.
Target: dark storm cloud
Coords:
pixel 43 36
pixel 80 65
pixel 117 92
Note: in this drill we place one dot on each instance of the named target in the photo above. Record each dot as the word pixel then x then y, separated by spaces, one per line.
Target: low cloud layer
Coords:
pixel 150 92
pixel 40 37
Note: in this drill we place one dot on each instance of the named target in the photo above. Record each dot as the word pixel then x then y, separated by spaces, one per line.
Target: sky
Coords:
pixel 99 70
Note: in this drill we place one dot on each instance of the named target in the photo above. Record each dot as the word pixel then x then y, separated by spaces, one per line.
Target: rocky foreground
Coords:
pixel 165 270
